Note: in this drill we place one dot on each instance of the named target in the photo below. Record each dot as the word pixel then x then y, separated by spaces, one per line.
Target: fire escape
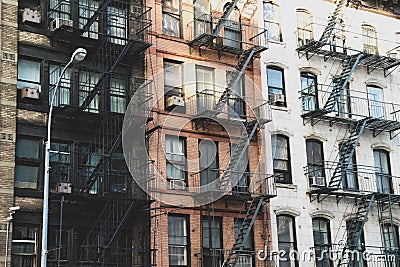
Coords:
pixel 365 195
pixel 116 33
pixel 252 42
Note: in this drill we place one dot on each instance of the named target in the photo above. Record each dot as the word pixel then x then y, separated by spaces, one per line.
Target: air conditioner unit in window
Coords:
pixel 278 99
pixel 59 22
pixel 31 93
pixel 30 15
pixel 64 188
pixel 174 101
pixel 317 181
pixel 176 184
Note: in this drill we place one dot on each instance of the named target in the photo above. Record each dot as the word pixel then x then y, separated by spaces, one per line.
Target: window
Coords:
pixel 118 88
pixel 60 9
pixel 337 40
pixel 87 9
pixel 202 17
pixel 208 153
pixel 343 103
pixel 375 102
pixel 382 169
pixel 178 241
pixel 357 246
pixel 241 179
pixel 271 21
pixel 309 91
pixel 171 20
pixel 349 175
pixel 315 162
pixel 59 162
pixel 232 29
pixel 276 86
pixel 173 82
pixel 390 234
pixel 286 239
pixel 24 248
pixel 117 23
pixel 87 82
pixel 206 98
pixel 281 156
pixel 304 27
pixel 28 74
pixel 236 100
pixel 28 161
pixel 63 93
pixel 370 39
pixel 322 241
pixel 243 259
pixel 54 242
pixel 176 161
pixel 211 238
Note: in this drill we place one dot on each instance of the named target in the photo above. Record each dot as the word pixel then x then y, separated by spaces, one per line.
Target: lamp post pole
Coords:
pixel 78 55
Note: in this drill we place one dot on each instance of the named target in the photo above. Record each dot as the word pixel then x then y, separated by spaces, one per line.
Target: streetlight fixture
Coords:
pixel 78 55
pixel 9 220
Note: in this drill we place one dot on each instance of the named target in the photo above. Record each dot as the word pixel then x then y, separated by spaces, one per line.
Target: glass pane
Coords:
pixel 270 12
pixel 28 74
pixel 26 176
pixel 275 78
pixel 27 148
pixel 171 25
pixel 117 95
pixel 285 229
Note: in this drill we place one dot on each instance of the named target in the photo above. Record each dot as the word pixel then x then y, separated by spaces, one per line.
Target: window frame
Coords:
pixel 23 161
pixel 23 83
pixel 182 163
pixel 323 246
pixel 308 76
pixel 269 21
pixel 370 43
pixel 31 257
pixel 287 174
pixel 311 164
pixel 270 88
pixel 186 237
pixel 176 16
pixel 292 243
pixel 210 253
pixel 304 30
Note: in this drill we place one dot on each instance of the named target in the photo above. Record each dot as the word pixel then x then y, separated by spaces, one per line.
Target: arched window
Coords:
pixel 375 101
pixel 383 173
pixel 232 30
pixel 202 17
pixel 272 21
pixel 322 241
pixel 304 27
pixel 281 156
pixel 315 162
pixel 370 39
pixel 286 239
pixel 309 93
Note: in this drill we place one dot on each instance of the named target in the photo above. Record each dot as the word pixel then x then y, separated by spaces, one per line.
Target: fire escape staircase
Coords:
pixel 244 232
pixel 334 20
pixel 105 230
pixel 355 228
pixel 339 84
pixel 346 152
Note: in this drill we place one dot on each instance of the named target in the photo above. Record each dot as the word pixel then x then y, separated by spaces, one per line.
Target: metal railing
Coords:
pixel 234 36
pixel 355 178
pixel 357 105
pixel 238 107
pixel 214 257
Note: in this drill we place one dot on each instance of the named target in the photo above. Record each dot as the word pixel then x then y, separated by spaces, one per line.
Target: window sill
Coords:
pixel 271 41
pixel 280 108
pixel 287 186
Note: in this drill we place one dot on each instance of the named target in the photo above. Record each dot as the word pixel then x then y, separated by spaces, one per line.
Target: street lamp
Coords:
pixel 78 55
pixel 9 219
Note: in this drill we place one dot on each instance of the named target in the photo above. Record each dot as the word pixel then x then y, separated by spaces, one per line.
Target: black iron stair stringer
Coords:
pixel 244 232
pixel 346 152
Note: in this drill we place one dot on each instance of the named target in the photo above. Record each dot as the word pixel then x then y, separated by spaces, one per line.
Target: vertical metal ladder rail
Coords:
pixel 355 227
pixel 346 152
pixel 244 232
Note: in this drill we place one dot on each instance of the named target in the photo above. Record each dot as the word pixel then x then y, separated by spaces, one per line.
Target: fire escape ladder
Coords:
pixel 244 232
pixel 346 152
pixel 227 12
pixel 106 228
pixel 354 229
pixel 106 59
pixel 238 153
pixel 334 20
pixel 340 82
pixel 240 67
